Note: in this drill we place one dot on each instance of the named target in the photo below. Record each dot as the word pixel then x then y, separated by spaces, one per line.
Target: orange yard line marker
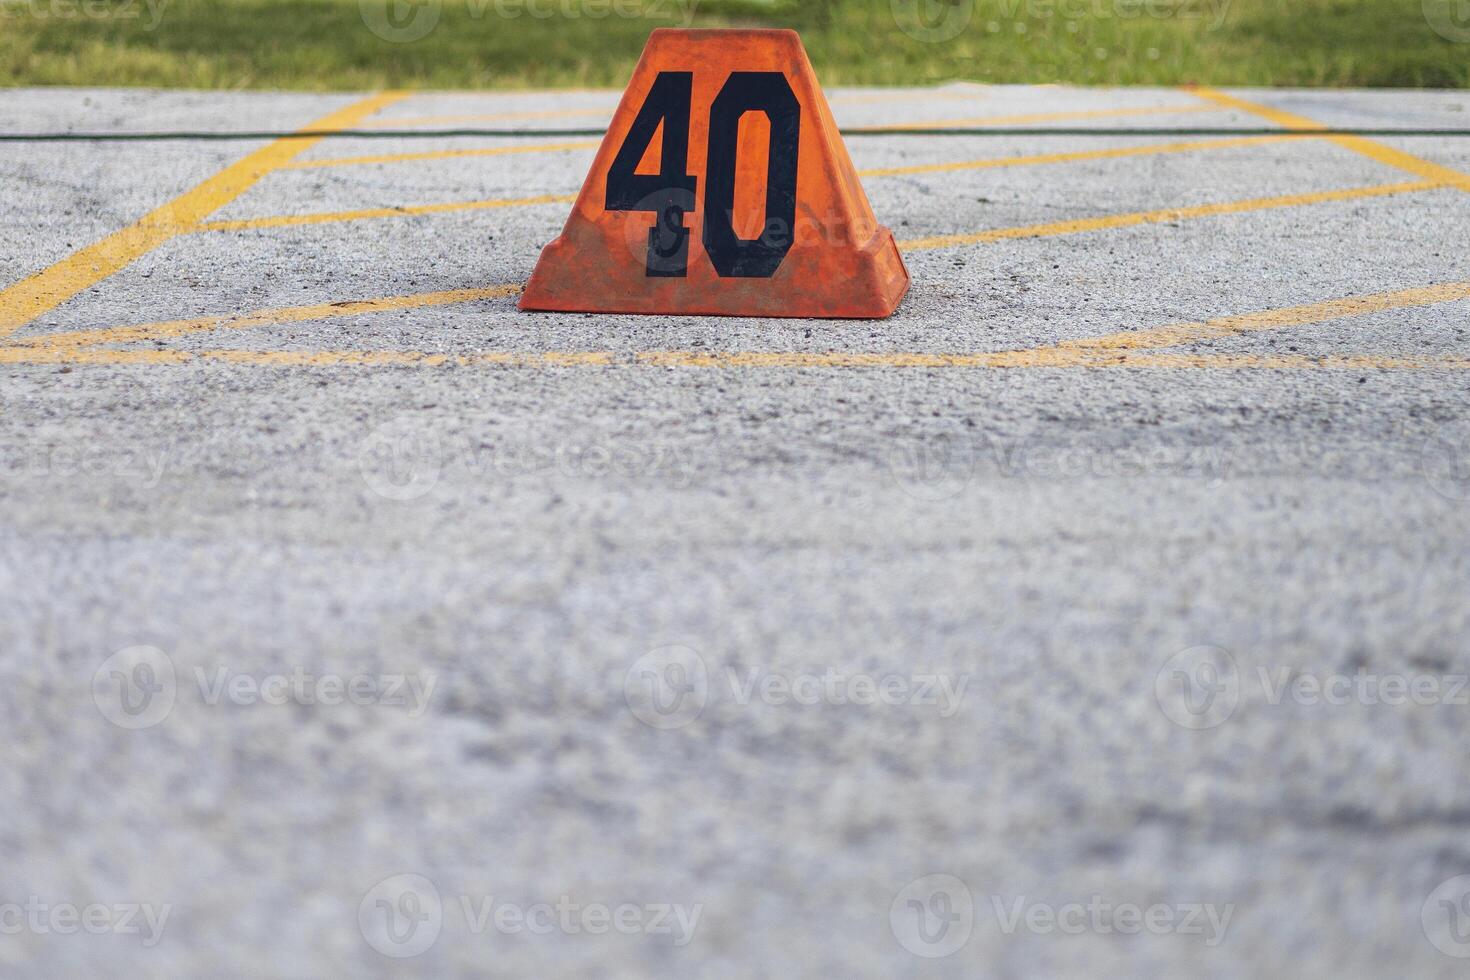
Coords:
pixel 39 294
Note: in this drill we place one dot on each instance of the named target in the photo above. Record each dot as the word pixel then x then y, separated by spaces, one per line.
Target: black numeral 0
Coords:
pixel 670 193
pixel 747 91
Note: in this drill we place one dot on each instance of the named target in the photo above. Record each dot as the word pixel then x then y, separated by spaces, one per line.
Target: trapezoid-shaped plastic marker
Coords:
pixel 722 187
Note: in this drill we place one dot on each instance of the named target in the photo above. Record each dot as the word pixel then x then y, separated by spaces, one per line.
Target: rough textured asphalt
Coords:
pixel 640 603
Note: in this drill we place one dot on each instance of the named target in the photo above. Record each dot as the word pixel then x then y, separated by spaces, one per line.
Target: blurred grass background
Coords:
pixel 369 44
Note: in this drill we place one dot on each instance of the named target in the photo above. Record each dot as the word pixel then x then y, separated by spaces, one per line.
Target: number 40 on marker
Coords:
pixel 656 230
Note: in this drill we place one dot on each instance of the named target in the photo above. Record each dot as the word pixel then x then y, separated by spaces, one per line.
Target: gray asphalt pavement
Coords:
pixel 316 666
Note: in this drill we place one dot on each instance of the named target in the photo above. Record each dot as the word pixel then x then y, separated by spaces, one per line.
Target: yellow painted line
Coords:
pixel 408 211
pixel 496 151
pixel 1369 148
pixel 1044 158
pixel 338 358
pixel 1157 337
pixel 727 360
pixel 1159 217
pixel 1031 231
pixel 1113 350
pixel 48 289
pixel 414 358
pixel 263 318
pixel 1176 334
pixel 476 117
pixel 983 164
pixel 1288 362
pixel 26 355
pixel 914 98
pixel 1037 117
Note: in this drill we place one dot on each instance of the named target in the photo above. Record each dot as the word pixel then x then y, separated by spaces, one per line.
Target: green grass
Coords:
pixel 326 44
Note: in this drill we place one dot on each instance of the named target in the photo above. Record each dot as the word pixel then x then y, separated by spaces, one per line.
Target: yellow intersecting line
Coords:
pixel 292 314
pixel 923 168
pixel 395 122
pixel 294 220
pixel 1112 153
pixel 1358 144
pixel 1027 119
pixel 175 328
pixel 1289 362
pixel 484 117
pixel 494 151
pixel 1162 216
pixel 49 288
pixel 729 360
pixel 938 241
pixel 1177 334
pixel 1112 350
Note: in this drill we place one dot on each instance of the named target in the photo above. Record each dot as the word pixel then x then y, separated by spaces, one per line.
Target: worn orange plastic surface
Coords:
pixel 841 262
